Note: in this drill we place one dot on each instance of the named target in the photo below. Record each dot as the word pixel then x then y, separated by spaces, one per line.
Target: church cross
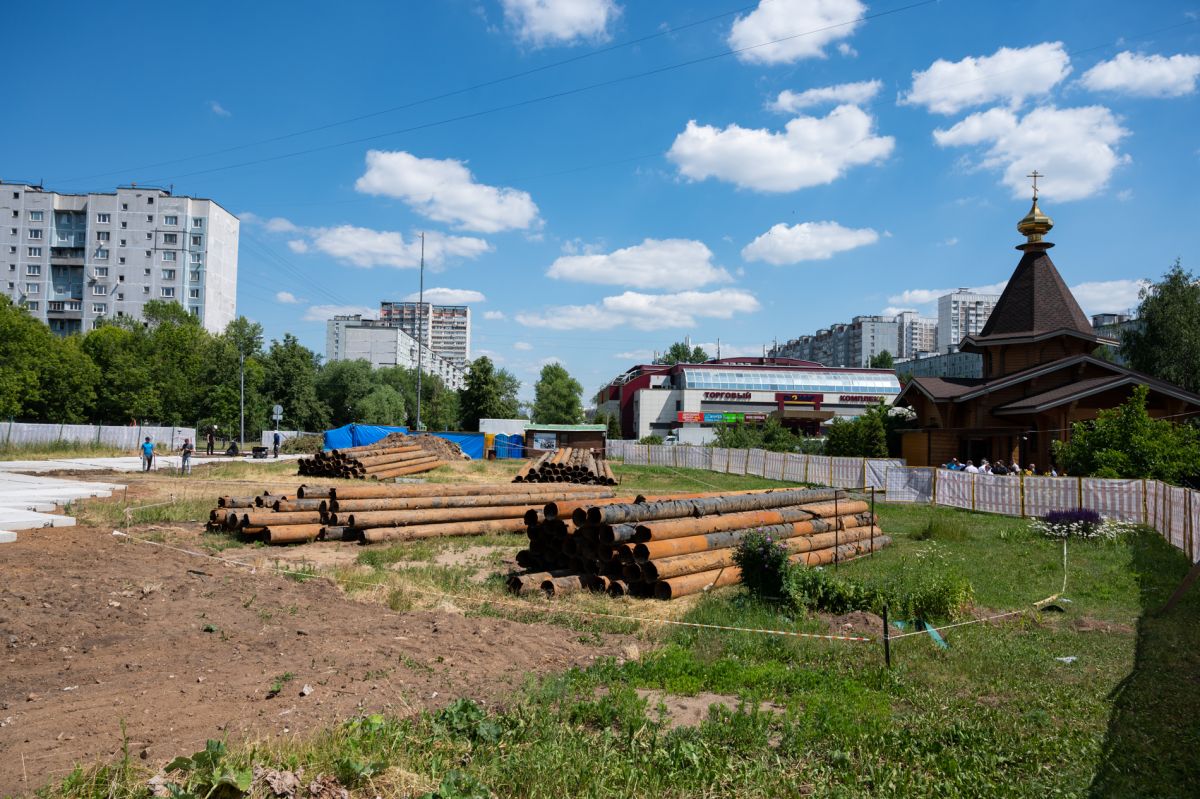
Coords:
pixel 1035 175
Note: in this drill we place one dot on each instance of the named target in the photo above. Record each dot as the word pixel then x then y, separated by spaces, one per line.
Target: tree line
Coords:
pixel 166 369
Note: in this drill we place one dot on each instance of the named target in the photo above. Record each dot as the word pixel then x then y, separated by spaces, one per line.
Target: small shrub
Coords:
pixel 650 440
pixel 207 775
pixel 1081 523
pixel 817 589
pixel 764 565
pixel 302 445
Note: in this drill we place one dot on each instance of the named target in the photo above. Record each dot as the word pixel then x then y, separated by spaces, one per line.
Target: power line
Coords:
pixel 543 98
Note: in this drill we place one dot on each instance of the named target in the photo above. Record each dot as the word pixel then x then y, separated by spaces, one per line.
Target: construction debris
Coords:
pixel 684 545
pixel 567 465
pixel 396 455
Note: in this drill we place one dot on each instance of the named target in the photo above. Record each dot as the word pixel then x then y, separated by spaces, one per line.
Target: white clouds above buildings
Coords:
pixel 1075 147
pixel 445 296
pixel 494 316
pixel 1103 296
pixel 653 264
pixel 810 151
pixel 784 31
pixel 367 248
pixel 322 313
pixel 541 23
pixel 646 311
pixel 444 190
pixel 807 241
pixel 1008 76
pixel 286 297
pixel 1144 75
pixel 789 102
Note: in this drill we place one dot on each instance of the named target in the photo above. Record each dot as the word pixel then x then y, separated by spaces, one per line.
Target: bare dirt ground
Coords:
pixel 97 631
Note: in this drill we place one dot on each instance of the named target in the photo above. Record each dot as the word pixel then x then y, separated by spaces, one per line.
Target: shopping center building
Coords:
pixel 690 399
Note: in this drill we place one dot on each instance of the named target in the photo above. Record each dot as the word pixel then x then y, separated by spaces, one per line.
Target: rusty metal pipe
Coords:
pixel 293 533
pixel 561 586
pixel 679 528
pixel 235 502
pixel 413 468
pixel 267 518
pixel 341 492
pixel 291 505
pixel 530 497
pixel 703 506
pixel 375 535
pixel 687 584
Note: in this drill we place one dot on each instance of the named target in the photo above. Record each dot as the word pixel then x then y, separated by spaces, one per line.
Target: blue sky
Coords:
pixel 641 181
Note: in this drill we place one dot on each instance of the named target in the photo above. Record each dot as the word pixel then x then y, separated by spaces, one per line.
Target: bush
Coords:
pixel 818 589
pixel 302 445
pixel 764 565
pixel 1081 523
pixel 650 440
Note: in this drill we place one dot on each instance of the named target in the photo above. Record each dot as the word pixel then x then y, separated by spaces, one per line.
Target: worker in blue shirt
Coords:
pixel 147 455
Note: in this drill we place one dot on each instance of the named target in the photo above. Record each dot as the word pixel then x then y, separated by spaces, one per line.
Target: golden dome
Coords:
pixel 1035 225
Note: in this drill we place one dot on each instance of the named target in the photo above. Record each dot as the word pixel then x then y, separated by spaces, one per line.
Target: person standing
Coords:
pixel 185 461
pixel 276 441
pixel 147 455
pixel 212 438
pixel 971 468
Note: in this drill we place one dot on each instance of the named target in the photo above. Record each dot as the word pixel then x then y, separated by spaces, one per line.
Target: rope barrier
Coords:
pixel 494 601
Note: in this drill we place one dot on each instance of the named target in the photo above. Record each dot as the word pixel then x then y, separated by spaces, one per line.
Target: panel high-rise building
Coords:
pixel 73 260
pixel 915 334
pixel 960 314
pixel 445 329
pixel 382 343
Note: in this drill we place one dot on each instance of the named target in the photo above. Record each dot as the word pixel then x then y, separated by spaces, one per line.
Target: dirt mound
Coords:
pixel 859 623
pixel 97 630
pixel 435 445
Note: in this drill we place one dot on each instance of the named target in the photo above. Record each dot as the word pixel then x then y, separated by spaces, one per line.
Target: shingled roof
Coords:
pixel 1035 301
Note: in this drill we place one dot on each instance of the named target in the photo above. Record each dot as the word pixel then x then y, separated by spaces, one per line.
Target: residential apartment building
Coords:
pixel 74 260
pixel 946 364
pixel 854 344
pixel 382 343
pixel 962 313
pixel 445 329
pixel 916 334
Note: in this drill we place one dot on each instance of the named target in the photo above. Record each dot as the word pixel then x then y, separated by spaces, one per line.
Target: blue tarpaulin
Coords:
pixel 358 435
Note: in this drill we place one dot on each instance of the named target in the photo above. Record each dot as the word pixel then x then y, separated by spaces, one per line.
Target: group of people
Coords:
pixel 999 467
pixel 188 449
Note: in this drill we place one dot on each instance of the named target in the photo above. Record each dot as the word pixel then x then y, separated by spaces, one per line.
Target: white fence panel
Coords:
pixel 719 460
pixel 660 456
pixel 877 470
pixel 117 436
pixel 954 489
pixel 755 461
pixel 737 461
pixel 796 468
pixel 995 493
pixel 910 484
pixel 1177 516
pixel 847 473
pixel 820 470
pixel 774 465
pixel 1193 518
pixel 1044 494
pixel 1115 499
pixel 637 454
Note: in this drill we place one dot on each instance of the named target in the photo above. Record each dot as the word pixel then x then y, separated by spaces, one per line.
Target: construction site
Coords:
pixel 267 607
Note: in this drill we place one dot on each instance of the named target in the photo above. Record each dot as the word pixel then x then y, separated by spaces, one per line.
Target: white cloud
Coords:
pixel 641 356
pixel 810 151
pixel 277 224
pixel 446 191
pixel 547 361
pixel 950 242
pixel 1145 75
pixel 907 300
pixel 286 297
pixel 494 315
pixel 1108 296
pixel 807 241
pixel 365 247
pixel 796 29
pixel 298 245
pixel 1009 75
pixel 645 311
pixel 550 22
pixel 789 102
pixel 845 49
pixel 522 345
pixel 1075 147
pixel 445 296
pixel 321 313
pixel 219 109
pixel 653 264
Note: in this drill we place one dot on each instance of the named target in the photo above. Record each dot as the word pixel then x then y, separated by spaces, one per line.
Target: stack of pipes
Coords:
pixel 567 465
pixel 380 462
pixel 393 512
pixel 670 548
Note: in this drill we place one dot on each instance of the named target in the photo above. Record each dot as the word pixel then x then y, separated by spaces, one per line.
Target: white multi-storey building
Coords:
pixel 962 313
pixel 74 260
pixel 915 333
pixel 445 329
pixel 382 343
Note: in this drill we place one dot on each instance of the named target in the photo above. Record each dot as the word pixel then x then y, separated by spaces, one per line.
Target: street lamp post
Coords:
pixel 421 333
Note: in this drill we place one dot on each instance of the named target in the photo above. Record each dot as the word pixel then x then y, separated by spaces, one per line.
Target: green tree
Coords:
pixel 1126 442
pixel 612 423
pixel 557 397
pixel 440 411
pixel 1165 343
pixel 341 385
pixel 863 437
pixel 680 352
pixel 175 345
pixel 883 360
pixel 290 379
pixel 126 392
pixel 67 381
pixel 384 405
pixel 221 402
pixel 488 394
pixel 22 340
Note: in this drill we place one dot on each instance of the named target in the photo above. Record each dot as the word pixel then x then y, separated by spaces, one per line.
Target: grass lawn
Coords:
pixel 995 714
